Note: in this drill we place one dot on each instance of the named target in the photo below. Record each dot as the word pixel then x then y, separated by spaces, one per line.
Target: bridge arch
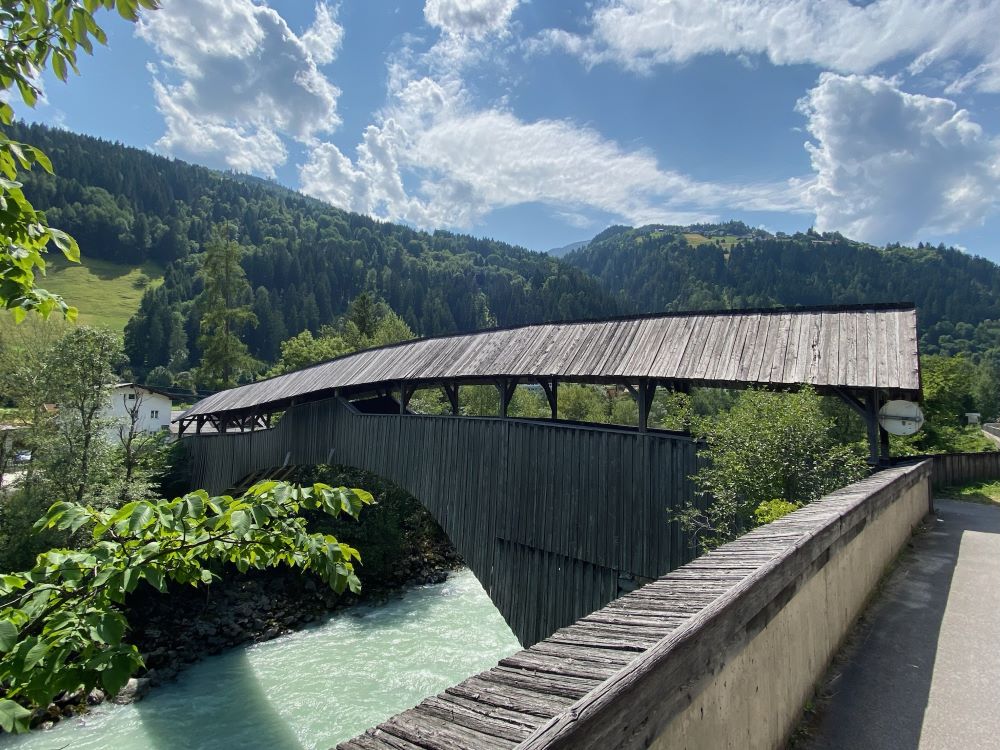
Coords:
pixel 554 519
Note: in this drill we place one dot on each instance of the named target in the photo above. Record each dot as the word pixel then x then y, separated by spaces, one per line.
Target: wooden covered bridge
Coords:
pixel 555 518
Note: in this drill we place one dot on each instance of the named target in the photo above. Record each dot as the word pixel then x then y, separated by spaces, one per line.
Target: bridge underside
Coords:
pixel 555 519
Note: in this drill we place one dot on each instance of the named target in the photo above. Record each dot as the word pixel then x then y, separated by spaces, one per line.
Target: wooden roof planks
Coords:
pixel 852 347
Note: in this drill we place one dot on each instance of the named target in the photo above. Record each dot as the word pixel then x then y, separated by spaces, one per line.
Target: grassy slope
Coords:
pixel 728 241
pixel 105 293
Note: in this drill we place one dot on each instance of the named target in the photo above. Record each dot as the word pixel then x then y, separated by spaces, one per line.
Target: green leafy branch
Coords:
pixel 61 625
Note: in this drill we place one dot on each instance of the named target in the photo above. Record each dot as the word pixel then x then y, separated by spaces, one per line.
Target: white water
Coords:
pixel 310 689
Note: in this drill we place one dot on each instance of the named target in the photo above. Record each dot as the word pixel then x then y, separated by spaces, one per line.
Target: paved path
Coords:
pixel 924 670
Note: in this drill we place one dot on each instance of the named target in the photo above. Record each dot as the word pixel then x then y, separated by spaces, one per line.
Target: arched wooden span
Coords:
pixel 555 519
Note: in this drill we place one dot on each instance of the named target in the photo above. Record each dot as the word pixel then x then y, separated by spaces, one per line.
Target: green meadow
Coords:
pixel 106 294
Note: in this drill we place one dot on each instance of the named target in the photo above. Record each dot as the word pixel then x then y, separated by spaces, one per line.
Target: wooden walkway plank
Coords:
pixel 514 718
pixel 434 734
pixel 482 721
pixel 511 697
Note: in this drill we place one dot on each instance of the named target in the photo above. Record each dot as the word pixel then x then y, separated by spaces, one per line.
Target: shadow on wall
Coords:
pixel 880 697
pixel 238 715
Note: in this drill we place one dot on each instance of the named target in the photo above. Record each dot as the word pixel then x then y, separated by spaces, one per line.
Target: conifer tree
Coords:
pixel 225 311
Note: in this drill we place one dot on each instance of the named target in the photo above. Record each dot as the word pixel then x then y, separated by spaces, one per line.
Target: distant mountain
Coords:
pixel 558 252
pixel 305 259
pixel 731 265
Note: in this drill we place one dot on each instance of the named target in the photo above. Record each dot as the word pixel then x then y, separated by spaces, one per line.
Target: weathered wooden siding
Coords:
pixel 962 468
pixel 547 515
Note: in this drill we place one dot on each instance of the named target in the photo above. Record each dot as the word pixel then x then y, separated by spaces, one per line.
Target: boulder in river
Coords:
pixel 134 690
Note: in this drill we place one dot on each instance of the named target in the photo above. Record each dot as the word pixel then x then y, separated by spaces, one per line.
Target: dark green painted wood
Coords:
pixel 547 515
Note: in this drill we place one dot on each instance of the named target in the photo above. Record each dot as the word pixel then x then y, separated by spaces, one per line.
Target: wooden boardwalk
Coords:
pixel 555 519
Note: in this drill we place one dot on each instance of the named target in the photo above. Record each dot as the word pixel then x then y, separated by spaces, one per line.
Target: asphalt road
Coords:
pixel 923 670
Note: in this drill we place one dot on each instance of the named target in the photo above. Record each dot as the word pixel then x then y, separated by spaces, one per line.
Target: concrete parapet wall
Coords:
pixel 738 673
pixel 755 699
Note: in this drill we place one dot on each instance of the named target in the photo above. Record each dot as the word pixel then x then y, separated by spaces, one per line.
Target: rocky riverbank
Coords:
pixel 175 630
pixel 401 545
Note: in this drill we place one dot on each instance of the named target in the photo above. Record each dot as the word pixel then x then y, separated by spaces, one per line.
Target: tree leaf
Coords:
pixel 240 522
pixel 156 579
pixel 35 654
pixel 116 674
pixel 195 505
pixel 8 635
pixel 140 517
pixel 13 716
pixel 108 627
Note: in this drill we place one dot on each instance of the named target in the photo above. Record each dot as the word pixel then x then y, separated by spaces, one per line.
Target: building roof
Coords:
pixel 852 347
pixel 149 388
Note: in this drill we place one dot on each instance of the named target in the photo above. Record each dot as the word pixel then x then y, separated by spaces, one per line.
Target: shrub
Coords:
pixel 768 445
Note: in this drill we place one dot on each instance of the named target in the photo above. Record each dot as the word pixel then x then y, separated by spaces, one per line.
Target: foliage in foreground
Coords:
pixel 61 625
pixel 767 451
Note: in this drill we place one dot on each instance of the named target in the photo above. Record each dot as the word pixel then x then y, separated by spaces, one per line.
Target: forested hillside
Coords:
pixel 305 260
pixel 731 265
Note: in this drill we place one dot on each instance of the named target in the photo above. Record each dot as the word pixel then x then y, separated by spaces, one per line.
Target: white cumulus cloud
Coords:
pixel 837 35
pixel 324 37
pixel 891 165
pixel 235 79
pixel 463 162
pixel 473 18
pixel 436 158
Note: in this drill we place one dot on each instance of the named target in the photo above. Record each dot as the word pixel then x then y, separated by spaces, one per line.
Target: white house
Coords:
pixel 148 407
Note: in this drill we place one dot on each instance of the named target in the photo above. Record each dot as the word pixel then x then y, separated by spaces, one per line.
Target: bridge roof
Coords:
pixel 850 347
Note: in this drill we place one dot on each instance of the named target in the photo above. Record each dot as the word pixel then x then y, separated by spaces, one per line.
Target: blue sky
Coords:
pixel 540 123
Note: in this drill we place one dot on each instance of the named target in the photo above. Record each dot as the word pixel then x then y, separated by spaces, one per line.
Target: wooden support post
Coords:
pixel 405 394
pixel 551 388
pixel 181 426
pixel 868 411
pixel 451 392
pixel 874 442
pixel 646 391
pixel 506 387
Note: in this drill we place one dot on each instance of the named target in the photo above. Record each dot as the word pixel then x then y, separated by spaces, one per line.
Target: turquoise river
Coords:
pixel 309 689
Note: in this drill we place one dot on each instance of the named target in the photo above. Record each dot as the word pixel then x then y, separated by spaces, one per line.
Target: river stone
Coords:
pixel 133 691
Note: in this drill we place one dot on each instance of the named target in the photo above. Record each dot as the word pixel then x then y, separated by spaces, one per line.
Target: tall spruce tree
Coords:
pixel 225 309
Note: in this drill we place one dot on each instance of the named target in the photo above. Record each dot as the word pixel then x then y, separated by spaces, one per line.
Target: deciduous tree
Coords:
pixel 769 446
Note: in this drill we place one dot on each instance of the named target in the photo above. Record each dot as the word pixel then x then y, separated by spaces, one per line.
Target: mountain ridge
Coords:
pixel 306 260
